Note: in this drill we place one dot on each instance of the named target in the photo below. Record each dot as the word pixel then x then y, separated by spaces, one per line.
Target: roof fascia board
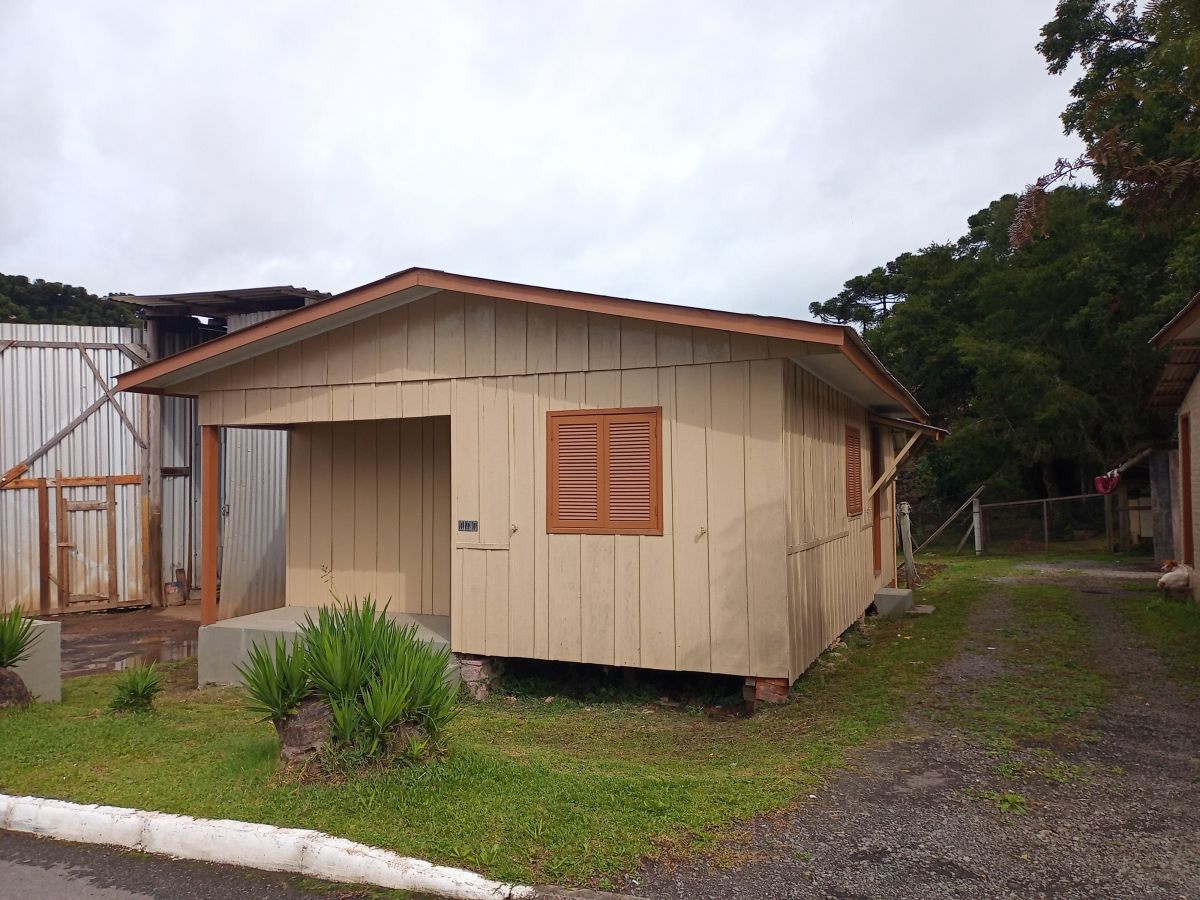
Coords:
pixel 1178 324
pixel 297 324
pixel 359 303
pixel 871 368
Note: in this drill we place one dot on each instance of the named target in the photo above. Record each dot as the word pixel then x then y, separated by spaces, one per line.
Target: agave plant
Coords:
pixel 385 704
pixel 344 720
pixel 276 678
pixel 16 638
pixel 337 663
pixel 137 688
pixel 384 685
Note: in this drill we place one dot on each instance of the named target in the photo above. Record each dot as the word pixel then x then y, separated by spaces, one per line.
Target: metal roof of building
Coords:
pixel 222 303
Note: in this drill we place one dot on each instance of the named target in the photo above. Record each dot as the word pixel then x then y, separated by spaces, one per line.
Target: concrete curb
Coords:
pixel 268 847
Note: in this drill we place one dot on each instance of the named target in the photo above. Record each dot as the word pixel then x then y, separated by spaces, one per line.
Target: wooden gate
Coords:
pixel 87 558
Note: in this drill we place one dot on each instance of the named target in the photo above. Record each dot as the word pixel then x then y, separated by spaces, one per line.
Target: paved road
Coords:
pixel 38 869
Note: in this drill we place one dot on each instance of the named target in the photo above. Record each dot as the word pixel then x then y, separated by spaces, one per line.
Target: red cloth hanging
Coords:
pixel 1107 483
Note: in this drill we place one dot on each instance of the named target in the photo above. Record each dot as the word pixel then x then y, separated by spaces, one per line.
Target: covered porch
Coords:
pixel 368 515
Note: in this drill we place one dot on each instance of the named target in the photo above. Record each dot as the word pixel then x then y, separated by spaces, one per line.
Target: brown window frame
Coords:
pixel 854 498
pixel 604 525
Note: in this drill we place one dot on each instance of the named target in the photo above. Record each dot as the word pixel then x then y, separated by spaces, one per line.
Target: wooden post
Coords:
pixel 43 506
pixel 63 558
pixel 1046 524
pixel 110 521
pixel 910 567
pixel 153 423
pixel 210 510
pixel 966 534
pixel 1124 526
pixel 977 524
pixel 952 517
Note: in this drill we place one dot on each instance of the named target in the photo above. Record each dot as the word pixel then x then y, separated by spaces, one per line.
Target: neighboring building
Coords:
pixel 1143 506
pixel 1177 388
pixel 253 475
pixel 98 499
pixel 556 475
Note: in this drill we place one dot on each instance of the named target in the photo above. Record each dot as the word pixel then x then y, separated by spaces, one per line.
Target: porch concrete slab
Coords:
pixel 226 644
pixel 42 671
pixel 892 603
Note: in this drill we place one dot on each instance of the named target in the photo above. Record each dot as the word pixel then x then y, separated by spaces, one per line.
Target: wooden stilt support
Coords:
pixel 210 493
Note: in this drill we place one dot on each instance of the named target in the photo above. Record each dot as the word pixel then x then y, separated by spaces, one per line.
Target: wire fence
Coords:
pixel 1032 526
pixel 1019 526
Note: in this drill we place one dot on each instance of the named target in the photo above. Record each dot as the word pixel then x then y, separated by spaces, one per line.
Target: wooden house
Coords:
pixel 1178 388
pixel 556 475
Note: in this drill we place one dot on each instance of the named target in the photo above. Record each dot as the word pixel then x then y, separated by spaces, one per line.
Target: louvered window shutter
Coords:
pixel 854 498
pixel 575 477
pixel 605 472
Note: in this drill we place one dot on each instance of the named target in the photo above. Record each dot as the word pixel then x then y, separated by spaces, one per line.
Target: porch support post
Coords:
pixel 210 492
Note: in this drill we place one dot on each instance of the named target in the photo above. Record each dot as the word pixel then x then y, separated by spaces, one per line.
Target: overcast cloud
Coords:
pixel 751 156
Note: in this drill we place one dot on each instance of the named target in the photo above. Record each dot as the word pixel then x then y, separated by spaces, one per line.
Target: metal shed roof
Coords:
pixel 222 303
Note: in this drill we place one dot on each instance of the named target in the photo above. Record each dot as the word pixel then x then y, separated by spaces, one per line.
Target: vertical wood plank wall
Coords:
pixel 716 592
pixel 830 571
pixel 368 507
pixel 1191 407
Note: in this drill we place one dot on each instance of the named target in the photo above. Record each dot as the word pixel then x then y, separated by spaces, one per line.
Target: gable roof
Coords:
pixel 415 283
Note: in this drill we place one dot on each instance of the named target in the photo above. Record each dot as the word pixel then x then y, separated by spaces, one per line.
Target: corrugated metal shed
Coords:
pixel 83 547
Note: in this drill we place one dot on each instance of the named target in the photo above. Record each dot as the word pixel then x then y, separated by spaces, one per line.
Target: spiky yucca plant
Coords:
pixel 17 638
pixel 276 678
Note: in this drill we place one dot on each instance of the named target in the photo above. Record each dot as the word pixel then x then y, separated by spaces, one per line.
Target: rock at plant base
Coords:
pixel 305 731
pixel 13 691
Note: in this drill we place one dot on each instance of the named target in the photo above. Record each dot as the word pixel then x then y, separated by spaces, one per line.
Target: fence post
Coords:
pixel 977 521
pixel 1046 524
pixel 910 567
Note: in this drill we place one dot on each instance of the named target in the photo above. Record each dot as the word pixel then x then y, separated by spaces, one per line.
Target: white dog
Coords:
pixel 1175 577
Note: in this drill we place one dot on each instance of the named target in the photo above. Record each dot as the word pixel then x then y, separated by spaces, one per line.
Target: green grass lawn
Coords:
pixel 1172 628
pixel 567 791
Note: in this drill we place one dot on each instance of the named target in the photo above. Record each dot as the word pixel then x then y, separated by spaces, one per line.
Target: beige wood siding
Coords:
pixel 707 595
pixel 451 335
pixel 1191 407
pixel 757 568
pixel 369 513
pixel 830 570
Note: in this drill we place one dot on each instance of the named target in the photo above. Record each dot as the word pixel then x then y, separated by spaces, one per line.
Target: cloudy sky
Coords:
pixel 749 155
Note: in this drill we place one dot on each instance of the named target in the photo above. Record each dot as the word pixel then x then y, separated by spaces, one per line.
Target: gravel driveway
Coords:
pixel 907 819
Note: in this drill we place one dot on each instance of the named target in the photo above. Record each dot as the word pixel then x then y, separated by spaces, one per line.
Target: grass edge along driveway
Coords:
pixel 565 791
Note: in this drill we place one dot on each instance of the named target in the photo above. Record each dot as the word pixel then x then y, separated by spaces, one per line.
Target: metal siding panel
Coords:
pixel 255 490
pixel 42 389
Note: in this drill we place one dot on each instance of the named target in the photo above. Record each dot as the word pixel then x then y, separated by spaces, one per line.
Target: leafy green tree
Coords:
pixel 1037 360
pixel 38 302
pixel 1136 107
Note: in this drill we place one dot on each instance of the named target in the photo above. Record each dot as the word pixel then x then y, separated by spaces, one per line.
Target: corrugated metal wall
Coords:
pixel 180 450
pixel 254 485
pixel 42 389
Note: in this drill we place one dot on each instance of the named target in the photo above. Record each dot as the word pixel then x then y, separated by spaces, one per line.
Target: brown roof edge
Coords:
pixel 853 347
pixel 859 353
pixel 1181 320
